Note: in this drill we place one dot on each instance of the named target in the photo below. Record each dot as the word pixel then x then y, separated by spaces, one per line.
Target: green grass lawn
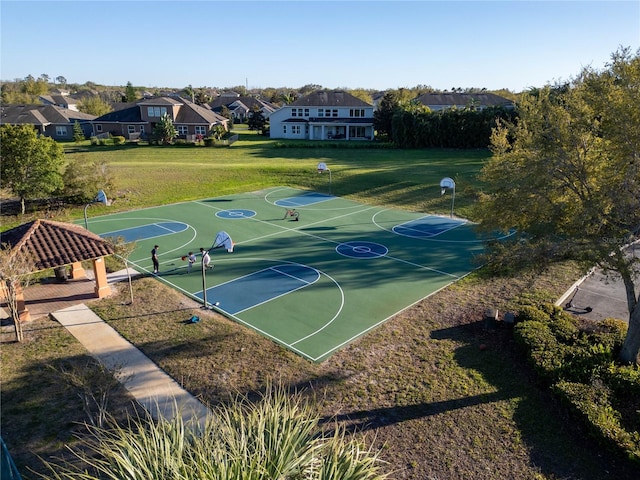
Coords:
pixel 156 175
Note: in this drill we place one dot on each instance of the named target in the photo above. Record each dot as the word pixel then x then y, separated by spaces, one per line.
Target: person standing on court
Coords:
pixel 192 259
pixel 206 259
pixel 154 259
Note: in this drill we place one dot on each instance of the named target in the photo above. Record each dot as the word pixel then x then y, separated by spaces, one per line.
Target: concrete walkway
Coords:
pixel 152 388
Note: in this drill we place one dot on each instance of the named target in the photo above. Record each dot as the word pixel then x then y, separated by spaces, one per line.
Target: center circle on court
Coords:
pixel 235 214
pixel 360 249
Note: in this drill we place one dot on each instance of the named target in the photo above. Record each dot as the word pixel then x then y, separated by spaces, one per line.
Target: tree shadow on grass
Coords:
pixel 558 446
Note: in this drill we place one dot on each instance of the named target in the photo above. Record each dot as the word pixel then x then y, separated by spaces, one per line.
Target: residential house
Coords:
pixel 49 120
pixel 478 101
pixel 139 119
pixel 241 106
pixel 324 115
pixel 62 101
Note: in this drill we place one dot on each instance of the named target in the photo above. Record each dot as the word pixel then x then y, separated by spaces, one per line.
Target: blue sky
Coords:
pixel 372 44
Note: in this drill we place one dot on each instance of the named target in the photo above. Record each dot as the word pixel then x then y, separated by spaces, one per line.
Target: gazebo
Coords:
pixel 56 244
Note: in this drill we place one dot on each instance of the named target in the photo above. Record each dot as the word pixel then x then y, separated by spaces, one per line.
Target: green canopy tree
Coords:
pixel 383 116
pixel 165 131
pixel 130 93
pixel 31 165
pixel 94 105
pixel 566 175
pixel 256 120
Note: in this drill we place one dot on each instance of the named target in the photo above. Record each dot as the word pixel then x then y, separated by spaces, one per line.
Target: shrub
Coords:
pixel 579 366
pixel 592 402
pixel 529 313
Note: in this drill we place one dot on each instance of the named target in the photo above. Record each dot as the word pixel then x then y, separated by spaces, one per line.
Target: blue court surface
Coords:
pixel 311 271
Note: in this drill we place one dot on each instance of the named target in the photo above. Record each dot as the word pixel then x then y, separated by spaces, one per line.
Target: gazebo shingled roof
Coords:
pixel 54 244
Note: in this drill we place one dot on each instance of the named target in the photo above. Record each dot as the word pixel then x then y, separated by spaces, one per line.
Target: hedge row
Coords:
pixel 579 366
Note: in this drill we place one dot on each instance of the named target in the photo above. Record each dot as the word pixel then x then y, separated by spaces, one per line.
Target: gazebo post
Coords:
pixel 23 311
pixel 77 271
pixel 102 285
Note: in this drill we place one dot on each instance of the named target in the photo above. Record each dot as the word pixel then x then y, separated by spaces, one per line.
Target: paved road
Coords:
pixel 599 296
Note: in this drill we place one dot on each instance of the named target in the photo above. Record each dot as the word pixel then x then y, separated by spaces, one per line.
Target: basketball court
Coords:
pixel 309 270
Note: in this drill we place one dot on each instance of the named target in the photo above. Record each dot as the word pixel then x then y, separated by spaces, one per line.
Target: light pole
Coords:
pixel 445 183
pixel 101 197
pixel 322 167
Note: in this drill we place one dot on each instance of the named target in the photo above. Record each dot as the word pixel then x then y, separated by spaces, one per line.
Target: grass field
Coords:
pixel 419 387
pixel 409 179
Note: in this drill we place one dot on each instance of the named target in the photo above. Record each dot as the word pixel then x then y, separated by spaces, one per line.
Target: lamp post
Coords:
pixel 445 183
pixel 322 167
pixel 101 197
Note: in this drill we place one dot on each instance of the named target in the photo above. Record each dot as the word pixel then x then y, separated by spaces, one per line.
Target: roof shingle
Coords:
pixel 54 244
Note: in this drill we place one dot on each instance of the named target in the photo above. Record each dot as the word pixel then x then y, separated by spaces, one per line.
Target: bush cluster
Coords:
pixel 579 365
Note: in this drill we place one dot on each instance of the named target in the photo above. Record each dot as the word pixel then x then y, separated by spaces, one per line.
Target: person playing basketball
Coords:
pixel 295 216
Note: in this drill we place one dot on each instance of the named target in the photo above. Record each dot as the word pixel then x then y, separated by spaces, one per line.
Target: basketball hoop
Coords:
pixel 322 167
pixel 448 183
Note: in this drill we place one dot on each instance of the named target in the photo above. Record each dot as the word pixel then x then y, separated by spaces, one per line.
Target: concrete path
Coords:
pixel 156 391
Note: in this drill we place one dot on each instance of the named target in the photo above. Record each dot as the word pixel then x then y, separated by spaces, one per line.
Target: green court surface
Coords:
pixel 313 284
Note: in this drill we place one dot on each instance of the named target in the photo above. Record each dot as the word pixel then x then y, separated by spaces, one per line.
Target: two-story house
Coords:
pixel 139 119
pixel 324 115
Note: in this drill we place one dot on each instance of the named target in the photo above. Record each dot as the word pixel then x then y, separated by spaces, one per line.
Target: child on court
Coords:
pixel 191 258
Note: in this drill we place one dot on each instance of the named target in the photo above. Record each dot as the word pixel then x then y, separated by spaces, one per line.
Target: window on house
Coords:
pixel 156 111
pixel 284 129
pixel 182 129
pixel 356 132
pixel 98 128
pixel 306 112
pixel 356 112
pixel 320 112
pixel 295 129
pixel 334 112
pixel 141 128
pixel 201 130
pixel 294 112
pixel 131 128
pixel 61 131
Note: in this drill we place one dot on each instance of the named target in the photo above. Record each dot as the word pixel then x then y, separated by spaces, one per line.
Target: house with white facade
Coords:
pixel 324 115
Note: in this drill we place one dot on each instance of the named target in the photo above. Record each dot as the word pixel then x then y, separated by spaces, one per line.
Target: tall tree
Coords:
pixel 83 177
pixel 130 93
pixel 61 80
pixel 31 165
pixel 567 177
pixel 94 105
pixel 383 116
pixel 165 131
pixel 78 134
pixel 256 120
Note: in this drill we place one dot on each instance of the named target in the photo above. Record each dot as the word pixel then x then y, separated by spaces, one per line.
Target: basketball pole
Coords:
pixel 204 285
